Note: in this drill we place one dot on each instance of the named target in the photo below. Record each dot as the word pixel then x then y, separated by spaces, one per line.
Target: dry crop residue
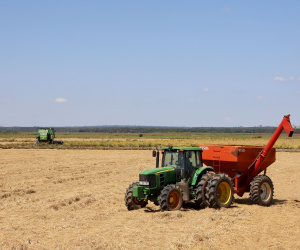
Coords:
pixel 70 199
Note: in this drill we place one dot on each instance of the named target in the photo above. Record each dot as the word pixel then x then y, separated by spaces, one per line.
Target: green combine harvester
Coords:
pixel 47 135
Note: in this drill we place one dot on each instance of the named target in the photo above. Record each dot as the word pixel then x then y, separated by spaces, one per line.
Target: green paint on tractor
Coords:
pixel 173 181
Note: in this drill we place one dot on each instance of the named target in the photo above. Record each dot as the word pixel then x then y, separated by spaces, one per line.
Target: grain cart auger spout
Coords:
pixel 243 180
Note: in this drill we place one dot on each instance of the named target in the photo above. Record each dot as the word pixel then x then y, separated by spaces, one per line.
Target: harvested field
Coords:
pixel 74 199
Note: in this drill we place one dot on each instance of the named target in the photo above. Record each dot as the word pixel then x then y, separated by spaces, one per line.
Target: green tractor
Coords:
pixel 181 178
pixel 47 135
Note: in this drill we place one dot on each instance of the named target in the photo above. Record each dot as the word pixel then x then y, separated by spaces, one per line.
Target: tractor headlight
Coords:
pixel 144 183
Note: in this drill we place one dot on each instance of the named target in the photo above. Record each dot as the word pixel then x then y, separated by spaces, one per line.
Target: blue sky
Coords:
pixel 157 63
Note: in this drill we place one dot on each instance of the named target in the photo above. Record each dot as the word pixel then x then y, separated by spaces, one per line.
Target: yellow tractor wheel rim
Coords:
pixel 224 193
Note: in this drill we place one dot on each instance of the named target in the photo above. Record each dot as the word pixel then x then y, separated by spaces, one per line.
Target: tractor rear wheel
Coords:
pixel 200 190
pixel 132 203
pixel 261 190
pixel 170 198
pixel 220 191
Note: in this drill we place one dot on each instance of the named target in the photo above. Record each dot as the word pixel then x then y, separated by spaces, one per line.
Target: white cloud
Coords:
pixel 60 100
pixel 259 97
pixel 278 78
pixel 205 90
pixel 282 79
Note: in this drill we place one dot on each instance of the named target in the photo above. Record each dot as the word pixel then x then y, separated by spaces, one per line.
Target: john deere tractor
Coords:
pixel 181 178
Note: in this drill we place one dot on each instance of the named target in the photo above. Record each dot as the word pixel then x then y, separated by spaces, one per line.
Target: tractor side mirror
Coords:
pixel 154 153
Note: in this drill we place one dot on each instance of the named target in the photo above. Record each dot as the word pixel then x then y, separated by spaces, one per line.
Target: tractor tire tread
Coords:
pixel 200 190
pixel 129 199
pixel 163 197
pixel 211 190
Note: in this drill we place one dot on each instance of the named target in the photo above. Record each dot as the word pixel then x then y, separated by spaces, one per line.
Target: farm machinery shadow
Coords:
pixel 191 206
pixel 187 206
pixel 247 201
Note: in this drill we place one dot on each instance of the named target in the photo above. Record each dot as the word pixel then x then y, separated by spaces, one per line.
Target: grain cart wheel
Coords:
pixel 132 203
pixel 200 190
pixel 261 190
pixel 170 198
pixel 220 191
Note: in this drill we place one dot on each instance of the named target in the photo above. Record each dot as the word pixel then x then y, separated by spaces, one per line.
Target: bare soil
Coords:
pixel 74 199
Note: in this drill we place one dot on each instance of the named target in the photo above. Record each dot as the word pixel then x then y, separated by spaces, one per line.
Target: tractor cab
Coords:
pixel 185 160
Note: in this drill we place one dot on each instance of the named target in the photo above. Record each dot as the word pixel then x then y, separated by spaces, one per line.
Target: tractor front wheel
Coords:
pixel 220 191
pixel 261 190
pixel 132 203
pixel 170 198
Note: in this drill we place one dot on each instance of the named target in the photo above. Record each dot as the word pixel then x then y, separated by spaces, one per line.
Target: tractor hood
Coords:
pixel 154 171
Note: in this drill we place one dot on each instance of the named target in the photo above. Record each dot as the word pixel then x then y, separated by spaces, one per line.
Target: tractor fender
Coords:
pixel 199 172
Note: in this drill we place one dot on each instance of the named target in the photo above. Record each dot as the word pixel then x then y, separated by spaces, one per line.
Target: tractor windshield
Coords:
pixel 173 159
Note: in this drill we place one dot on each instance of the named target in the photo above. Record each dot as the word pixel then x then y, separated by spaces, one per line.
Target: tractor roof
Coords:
pixel 184 148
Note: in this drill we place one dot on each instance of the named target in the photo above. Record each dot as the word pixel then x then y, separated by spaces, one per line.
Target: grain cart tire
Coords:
pixel 261 190
pixel 200 190
pixel 219 192
pixel 133 203
pixel 170 198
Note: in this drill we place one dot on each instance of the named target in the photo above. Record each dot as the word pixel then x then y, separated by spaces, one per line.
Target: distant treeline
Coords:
pixel 146 129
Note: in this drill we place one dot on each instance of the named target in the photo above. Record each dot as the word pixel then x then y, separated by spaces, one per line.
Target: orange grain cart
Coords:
pixel 234 160
pixel 244 163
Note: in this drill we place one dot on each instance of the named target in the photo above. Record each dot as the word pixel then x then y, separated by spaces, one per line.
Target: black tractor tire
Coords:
pixel 170 198
pixel 200 190
pixel 131 202
pixel 219 191
pixel 261 190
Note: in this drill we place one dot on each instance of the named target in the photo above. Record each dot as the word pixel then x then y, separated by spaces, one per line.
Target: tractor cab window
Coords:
pixel 173 159
pixel 191 163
